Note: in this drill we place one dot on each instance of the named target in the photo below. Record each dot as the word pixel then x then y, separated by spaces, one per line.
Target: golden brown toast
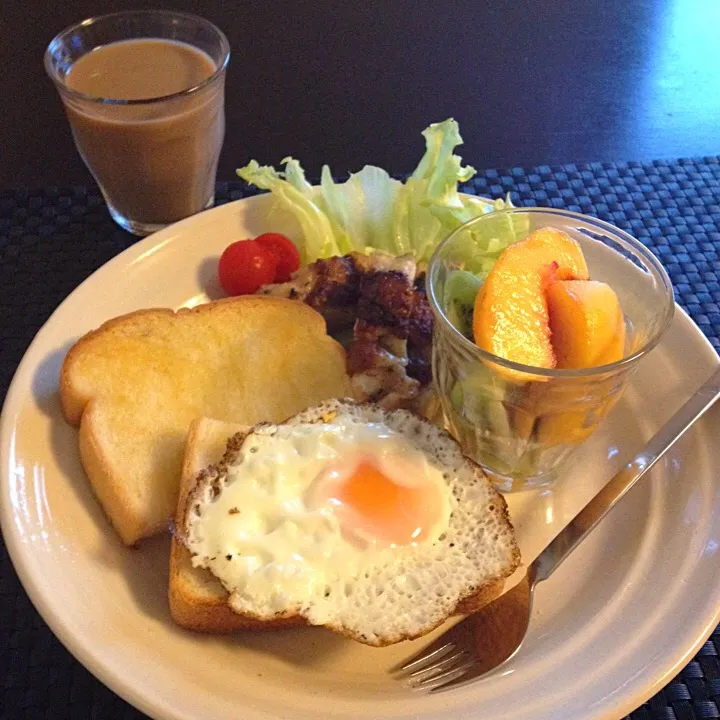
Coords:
pixel 134 385
pixel 198 601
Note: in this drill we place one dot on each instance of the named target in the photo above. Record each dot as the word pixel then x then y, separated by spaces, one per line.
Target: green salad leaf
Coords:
pixel 372 211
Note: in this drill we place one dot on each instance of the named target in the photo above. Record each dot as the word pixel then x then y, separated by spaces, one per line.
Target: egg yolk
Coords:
pixel 369 503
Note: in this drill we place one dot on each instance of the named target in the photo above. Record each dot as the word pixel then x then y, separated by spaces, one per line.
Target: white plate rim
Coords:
pixel 82 651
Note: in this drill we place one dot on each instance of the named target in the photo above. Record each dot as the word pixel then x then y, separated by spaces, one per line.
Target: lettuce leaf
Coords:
pixel 362 208
pixel 372 211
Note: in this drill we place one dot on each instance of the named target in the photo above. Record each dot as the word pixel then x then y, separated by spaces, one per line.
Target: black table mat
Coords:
pixel 53 238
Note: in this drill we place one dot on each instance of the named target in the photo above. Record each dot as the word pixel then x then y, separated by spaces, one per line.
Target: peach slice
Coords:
pixel 588 330
pixel 573 426
pixel 510 316
pixel 587 326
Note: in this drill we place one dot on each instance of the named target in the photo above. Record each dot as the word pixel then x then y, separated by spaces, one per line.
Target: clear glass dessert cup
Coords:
pixel 521 423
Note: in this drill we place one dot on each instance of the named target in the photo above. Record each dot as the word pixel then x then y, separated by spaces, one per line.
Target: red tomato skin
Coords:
pixel 284 250
pixel 245 266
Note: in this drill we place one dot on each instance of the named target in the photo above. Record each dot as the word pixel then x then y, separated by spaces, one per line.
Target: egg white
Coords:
pixel 269 537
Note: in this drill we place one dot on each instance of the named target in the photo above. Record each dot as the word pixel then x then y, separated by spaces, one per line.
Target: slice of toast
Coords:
pixel 197 599
pixel 134 385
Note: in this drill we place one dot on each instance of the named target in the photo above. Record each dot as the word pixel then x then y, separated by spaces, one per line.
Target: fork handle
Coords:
pixel 586 520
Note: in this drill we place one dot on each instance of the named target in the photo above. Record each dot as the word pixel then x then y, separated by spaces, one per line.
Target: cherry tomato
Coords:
pixel 284 250
pixel 244 266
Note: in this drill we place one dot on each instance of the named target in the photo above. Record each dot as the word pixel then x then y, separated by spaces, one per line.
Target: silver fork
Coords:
pixel 484 641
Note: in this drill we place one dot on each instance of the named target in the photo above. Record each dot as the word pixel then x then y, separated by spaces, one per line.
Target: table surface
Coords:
pixel 530 82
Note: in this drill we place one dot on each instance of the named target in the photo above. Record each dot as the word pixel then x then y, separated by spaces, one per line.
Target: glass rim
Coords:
pixel 63 88
pixel 627 361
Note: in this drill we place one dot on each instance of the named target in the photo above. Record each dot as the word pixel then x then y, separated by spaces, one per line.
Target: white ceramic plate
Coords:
pixel 610 629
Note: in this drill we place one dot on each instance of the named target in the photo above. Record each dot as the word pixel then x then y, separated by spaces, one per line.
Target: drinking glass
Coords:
pixel 154 159
pixel 521 423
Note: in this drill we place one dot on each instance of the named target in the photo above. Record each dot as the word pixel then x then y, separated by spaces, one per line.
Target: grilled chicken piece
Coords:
pixel 379 376
pixel 298 288
pixel 337 284
pixel 330 286
pixel 335 281
pixel 381 330
pixel 381 262
pixel 384 309
pixel 420 326
pixel 380 298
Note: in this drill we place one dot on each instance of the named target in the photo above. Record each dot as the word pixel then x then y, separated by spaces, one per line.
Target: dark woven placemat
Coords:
pixel 52 239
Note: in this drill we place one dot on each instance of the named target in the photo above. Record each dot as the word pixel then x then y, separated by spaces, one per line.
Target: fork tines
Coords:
pixel 435 668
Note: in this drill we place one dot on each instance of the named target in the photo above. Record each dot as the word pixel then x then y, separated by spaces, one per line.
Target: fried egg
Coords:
pixel 342 511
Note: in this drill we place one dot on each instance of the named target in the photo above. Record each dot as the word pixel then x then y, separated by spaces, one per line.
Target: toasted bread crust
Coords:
pixel 480 598
pixel 208 611
pixel 105 483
